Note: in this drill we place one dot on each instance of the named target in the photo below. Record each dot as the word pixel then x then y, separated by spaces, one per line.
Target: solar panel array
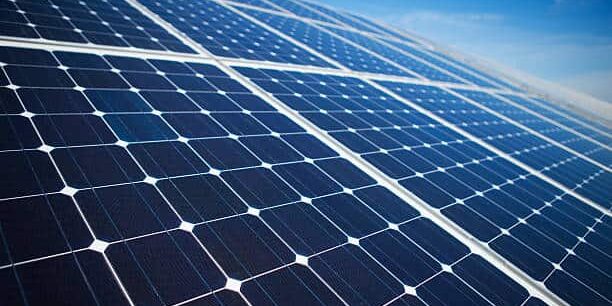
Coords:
pixel 270 152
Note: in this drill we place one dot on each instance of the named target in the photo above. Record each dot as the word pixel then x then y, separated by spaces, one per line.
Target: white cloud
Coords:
pixel 580 62
pixel 596 83
pixel 448 19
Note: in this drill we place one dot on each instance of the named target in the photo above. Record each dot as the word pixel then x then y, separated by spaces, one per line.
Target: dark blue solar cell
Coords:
pixel 88 78
pixel 206 69
pixel 309 146
pixel 250 102
pixel 354 142
pixel 324 121
pixel 469 179
pixel 345 173
pixel 224 153
pixel 190 82
pixel 31 173
pixel 165 268
pixel 58 227
pixel 546 226
pixel 526 259
pixel 288 285
pixel 573 291
pixel 140 127
pixel 270 149
pixel 509 203
pixel 278 123
pixel 11 291
pixel 165 159
pixel 369 283
pixel 194 125
pixel 168 101
pixel 81 60
pixel 591 276
pixel 389 165
pixel 46 101
pixel 59 130
pixel 12 55
pixel 143 80
pixel 348 213
pixel 170 66
pixel 491 211
pixel 86 280
pixel 403 258
pixel 387 204
pixel 226 84
pixel 125 211
pixel 469 220
pixel 307 179
pixel 201 198
pixel 117 101
pixel 129 63
pixel 240 124
pixel 84 167
pixel 434 240
pixel 213 101
pixel 494 285
pixel 425 190
pixel 243 246
pixel 538 242
pixel 450 185
pixel 38 76
pixel 18 132
pixel 305 230
pixel 447 289
pixel 9 103
pixel 414 161
pixel 260 187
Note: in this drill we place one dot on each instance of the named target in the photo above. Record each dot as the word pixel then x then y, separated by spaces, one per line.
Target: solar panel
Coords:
pixel 226 33
pixel 268 152
pixel 440 63
pixel 349 55
pixel 422 68
pixel 531 223
pixel 110 23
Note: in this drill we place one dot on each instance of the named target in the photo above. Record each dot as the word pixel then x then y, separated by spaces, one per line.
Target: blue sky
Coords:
pixel 565 41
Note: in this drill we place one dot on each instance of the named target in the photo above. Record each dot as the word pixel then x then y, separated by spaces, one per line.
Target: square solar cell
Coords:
pixel 165 268
pixel 243 246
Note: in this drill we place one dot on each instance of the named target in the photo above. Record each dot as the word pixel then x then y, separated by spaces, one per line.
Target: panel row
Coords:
pixel 166 182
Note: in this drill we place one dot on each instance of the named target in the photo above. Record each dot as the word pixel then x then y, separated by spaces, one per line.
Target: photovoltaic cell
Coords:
pixel 111 23
pixel 226 33
pixel 531 223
